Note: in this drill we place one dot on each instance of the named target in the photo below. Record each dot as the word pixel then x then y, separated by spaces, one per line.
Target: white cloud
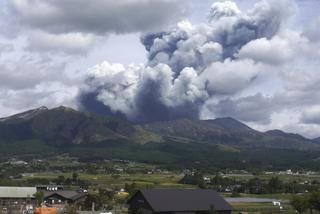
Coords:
pixel 274 51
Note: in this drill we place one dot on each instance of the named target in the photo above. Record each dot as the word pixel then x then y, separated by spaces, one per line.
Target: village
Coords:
pixel 113 185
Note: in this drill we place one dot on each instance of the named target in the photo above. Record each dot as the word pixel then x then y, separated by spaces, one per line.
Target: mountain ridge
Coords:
pixel 65 122
pixel 222 142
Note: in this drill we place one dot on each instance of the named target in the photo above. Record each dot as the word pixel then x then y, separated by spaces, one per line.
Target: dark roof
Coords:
pixel 67 194
pixel 163 200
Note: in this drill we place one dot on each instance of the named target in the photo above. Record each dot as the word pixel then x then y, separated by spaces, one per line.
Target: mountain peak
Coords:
pixel 42 108
pixel 64 108
pixel 27 115
pixel 276 132
pixel 230 123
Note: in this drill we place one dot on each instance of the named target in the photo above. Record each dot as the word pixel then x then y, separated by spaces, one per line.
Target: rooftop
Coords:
pixel 163 200
pixel 17 192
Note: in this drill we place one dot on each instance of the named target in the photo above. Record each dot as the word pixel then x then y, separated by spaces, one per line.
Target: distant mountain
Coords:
pixel 64 126
pixel 231 124
pixel 316 140
pixel 24 115
pixel 228 131
pixel 279 133
pixel 222 142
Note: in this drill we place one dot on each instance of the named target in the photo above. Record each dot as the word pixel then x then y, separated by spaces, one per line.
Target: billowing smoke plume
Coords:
pixel 188 68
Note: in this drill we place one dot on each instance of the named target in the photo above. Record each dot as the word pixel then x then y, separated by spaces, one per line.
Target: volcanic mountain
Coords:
pixel 85 135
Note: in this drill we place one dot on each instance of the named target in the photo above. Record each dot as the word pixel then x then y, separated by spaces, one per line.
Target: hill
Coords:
pixel 229 131
pixel 316 140
pixel 63 126
pixel 218 143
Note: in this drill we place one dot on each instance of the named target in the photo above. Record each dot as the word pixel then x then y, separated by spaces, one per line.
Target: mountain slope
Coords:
pixel 316 140
pixel 279 133
pixel 231 124
pixel 62 126
pixel 228 131
pixel 223 142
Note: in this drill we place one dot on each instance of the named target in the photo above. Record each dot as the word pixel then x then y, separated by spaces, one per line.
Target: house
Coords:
pixel 62 196
pixel 55 197
pixel 57 194
pixel 16 195
pixel 15 199
pixel 165 201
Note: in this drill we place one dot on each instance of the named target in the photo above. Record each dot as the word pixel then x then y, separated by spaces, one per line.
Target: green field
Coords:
pixel 104 175
pixel 119 180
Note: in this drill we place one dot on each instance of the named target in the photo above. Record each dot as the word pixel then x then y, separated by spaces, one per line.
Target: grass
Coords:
pixel 284 178
pixel 118 181
pixel 278 196
pixel 261 208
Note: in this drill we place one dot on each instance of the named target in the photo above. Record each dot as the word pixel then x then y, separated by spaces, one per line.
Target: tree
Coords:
pixel 194 179
pixel 300 203
pixel 90 199
pixel 131 188
pixel 256 186
pixel 314 200
pixel 39 197
pixel 275 185
pixel 60 180
pixel 75 176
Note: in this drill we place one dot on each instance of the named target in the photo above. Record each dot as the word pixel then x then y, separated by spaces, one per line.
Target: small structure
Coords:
pixel 46 210
pixel 276 203
pixel 156 201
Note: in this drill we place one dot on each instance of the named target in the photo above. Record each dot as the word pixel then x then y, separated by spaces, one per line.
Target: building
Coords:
pixel 16 198
pixel 57 194
pixel 166 201
pixel 62 196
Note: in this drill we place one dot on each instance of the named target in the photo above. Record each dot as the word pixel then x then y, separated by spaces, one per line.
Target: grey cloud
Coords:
pixel 312 30
pixel 180 48
pixel 255 108
pixel 25 71
pixel 71 44
pixel 5 48
pixel 50 94
pixel 189 66
pixel 311 116
pixel 96 16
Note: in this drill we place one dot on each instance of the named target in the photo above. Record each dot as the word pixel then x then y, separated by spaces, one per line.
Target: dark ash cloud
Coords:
pixel 191 67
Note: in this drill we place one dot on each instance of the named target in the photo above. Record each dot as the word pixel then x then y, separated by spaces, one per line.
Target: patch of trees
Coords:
pixel 252 186
pixel 310 201
pixel 73 180
pixel 194 179
pixel 275 185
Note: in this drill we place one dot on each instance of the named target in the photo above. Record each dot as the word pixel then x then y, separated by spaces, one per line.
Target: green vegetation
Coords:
pixel 310 201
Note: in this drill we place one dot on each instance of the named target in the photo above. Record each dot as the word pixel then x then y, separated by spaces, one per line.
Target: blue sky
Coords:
pixel 52 53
